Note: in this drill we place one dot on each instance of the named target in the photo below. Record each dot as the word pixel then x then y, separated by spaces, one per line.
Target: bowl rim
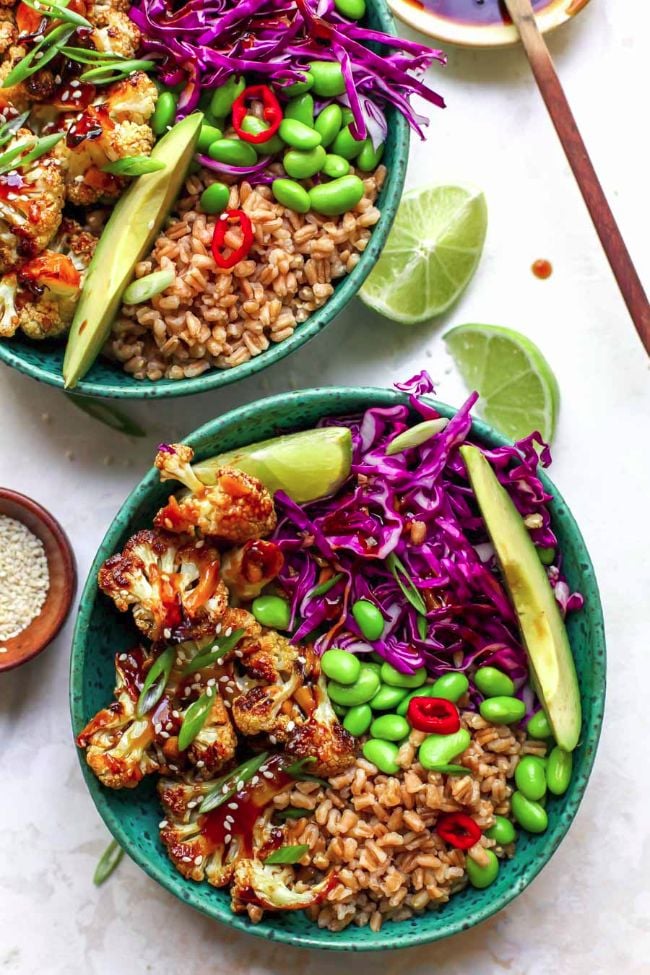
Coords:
pixel 69 568
pixel 244 417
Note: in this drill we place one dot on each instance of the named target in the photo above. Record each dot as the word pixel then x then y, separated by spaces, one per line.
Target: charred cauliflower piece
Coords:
pixel 248 569
pixel 216 742
pixel 171 585
pixel 115 31
pixel 235 509
pixel 323 737
pixel 8 31
pixel 8 310
pixel 259 885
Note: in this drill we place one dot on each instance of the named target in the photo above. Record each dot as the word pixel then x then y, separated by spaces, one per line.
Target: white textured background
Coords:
pixel 589 912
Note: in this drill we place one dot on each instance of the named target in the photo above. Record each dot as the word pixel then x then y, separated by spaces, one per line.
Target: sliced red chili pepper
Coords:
pixel 433 714
pixel 220 230
pixel 458 830
pixel 271 113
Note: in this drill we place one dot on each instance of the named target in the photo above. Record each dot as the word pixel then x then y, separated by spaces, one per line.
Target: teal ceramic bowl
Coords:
pixel 132 816
pixel 43 361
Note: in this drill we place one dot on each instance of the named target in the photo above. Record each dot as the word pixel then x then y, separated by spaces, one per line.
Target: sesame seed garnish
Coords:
pixel 4 649
pixel 74 83
pixel 192 803
pixel 225 788
pixel 163 823
pixel 169 726
pixel 122 656
pixel 173 768
pixel 291 725
pixel 301 660
pixel 200 543
pixel 240 784
pixel 228 632
pixel 222 680
pixel 198 860
pixel 232 805
pixel 228 838
pixel 164 734
pixel 267 774
pixel 167 633
pixel 65 96
pixel 227 704
pixel 239 653
pixel 209 691
pixel 273 739
pixel 175 714
pixel 200 763
pixel 186 859
pixel 24 576
pixel 157 728
pixel 255 780
pixel 217 628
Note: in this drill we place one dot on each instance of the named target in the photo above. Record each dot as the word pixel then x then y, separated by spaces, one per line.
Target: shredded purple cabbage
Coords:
pixel 419 505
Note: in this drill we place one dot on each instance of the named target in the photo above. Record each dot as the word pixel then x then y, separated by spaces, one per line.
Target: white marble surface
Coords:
pixel 588 913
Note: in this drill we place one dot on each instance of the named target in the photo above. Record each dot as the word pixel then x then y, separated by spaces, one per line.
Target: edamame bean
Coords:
pixel 272 611
pixel 531 815
pixel 391 676
pixel 558 770
pixel 299 87
pixel 503 832
pixel 302 165
pixel 352 9
pixel 530 777
pixel 214 199
pixel 482 877
pixel 373 666
pixel 348 115
pixel 390 727
pixel 291 195
pixel 502 710
pixel 301 108
pixel 208 135
pixel 382 754
pixel 361 692
pixel 492 682
pixel 335 166
pixel 329 123
pixel 451 686
pixel 333 199
pixel 234 152
pixel 164 113
pixel 225 95
pixel 346 145
pixel 358 720
pixel 341 666
pixel 339 710
pixel 298 135
pixel 425 691
pixel 539 727
pixel 367 615
pixel 546 555
pixel 369 157
pixel 254 125
pixel 441 749
pixel 328 78
pixel 387 698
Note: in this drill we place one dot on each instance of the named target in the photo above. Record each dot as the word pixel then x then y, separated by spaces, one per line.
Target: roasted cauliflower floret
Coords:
pixel 114 31
pixel 236 508
pixel 171 585
pixel 215 744
pixel 248 569
pixel 266 886
pixel 16 96
pixel 323 737
pixel 8 30
pixel 133 99
pixel 8 310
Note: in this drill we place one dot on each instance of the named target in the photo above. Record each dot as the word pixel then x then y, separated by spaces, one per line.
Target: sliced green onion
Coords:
pixel 422 627
pixel 107 74
pixel 88 56
pixel 32 149
pixel 7 158
pixel 287 854
pixel 406 584
pixel 9 129
pixel 47 48
pixel 225 787
pixel 291 813
pixel 416 435
pixel 215 652
pixel 42 146
pixel 451 769
pixel 109 415
pixel 133 166
pixel 195 717
pixel 107 862
pixel 142 289
pixel 324 586
pixel 57 10
pixel 156 681
pixel 295 770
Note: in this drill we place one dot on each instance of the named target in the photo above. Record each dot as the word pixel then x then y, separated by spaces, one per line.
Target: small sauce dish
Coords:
pixel 63 579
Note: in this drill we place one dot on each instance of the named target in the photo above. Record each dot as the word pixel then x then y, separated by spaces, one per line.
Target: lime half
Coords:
pixel 307 465
pixel 430 255
pixel 519 392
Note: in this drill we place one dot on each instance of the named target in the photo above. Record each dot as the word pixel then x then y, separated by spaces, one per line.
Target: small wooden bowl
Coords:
pixel 63 579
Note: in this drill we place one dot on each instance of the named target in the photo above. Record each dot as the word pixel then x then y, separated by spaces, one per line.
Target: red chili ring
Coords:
pixel 221 227
pixel 434 715
pixel 458 830
pixel 271 112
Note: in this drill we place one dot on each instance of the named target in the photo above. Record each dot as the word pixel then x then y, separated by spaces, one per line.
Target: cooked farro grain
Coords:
pixel 215 318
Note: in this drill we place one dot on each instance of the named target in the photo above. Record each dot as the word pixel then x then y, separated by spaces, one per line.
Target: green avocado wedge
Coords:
pixel 128 235
pixel 307 465
pixel 542 627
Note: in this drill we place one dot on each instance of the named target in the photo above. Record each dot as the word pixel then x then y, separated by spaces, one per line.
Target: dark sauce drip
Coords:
pixel 475 11
pixel 88 127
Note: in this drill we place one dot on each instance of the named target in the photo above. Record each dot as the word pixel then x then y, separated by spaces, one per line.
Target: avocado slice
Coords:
pixel 542 627
pixel 128 235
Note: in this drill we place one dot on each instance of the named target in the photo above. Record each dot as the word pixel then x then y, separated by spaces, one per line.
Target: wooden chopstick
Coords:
pixel 558 107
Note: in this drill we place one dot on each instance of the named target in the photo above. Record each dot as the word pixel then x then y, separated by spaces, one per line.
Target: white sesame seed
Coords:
pixel 228 838
pixel 192 803
pixel 24 574
pixel 209 691
pixel 169 726
pixel 240 784
pixel 267 774
pixel 255 780
pixel 4 649
pixel 200 763
pixel 65 96
pixel 200 543
pixel 167 633
pixel 163 823
pixel 157 728
pixel 175 714
pixel 239 653
pixel 228 632
pixel 74 83
pixel 225 788
pixel 164 734
pixel 232 805
pixel 291 725
pixel 217 628
pixel 301 660
pixel 57 79
pixel 122 656
pixel 173 768
pixel 222 680
pixel 186 859
pixel 198 860
pixel 273 739
pixel 227 704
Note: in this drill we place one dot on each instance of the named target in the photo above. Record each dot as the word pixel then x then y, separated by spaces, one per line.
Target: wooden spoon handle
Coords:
pixel 556 102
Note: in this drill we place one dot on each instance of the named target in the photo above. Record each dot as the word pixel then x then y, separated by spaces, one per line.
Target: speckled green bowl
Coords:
pixel 132 816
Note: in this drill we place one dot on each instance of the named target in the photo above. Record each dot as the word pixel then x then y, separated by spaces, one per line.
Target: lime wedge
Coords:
pixel 307 465
pixel 519 392
pixel 430 255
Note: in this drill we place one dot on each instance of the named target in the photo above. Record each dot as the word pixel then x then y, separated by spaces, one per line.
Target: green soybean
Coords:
pixel 298 135
pixel 164 113
pixel 224 96
pixel 558 770
pixel 214 199
pixel 348 115
pixel 425 691
pixel 291 195
pixel 358 720
pixel 339 710
pixel 254 126
pixel 143 289
pixel 272 611
pixel 530 815
pixel 352 9
pixel 387 698
pixel 530 777
pixel 341 666
pixel 539 727
pixel 301 165
pixel 450 686
pixel 391 676
pixel 369 157
pixel 373 666
pixel 482 877
pixel 335 166
pixel 208 135
pixel 441 749
pixel 346 145
pixel 328 78
pixel 301 108
pixel 234 152
pixel 493 683
pixel 546 555
pixel 367 615
pixel 503 832
pixel 329 123
pixel 502 710
pixel 382 754
pixel 390 727
pixel 299 87
pixel 361 692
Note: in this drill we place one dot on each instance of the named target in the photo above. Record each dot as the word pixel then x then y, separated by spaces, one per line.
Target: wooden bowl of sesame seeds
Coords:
pixel 40 594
